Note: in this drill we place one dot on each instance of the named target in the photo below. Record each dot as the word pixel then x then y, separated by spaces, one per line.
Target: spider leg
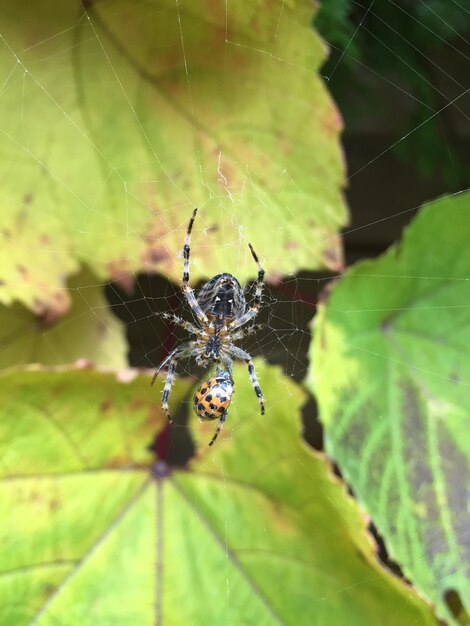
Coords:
pixel 188 292
pixel 244 332
pixel 254 308
pixel 162 365
pixel 227 364
pixel 238 353
pixel 182 350
pixel 260 280
pixel 172 359
pixel 179 321
pixel 167 388
pixel 222 419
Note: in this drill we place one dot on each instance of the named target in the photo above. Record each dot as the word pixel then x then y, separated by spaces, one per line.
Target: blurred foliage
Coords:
pixel 409 43
pixel 390 369
pixel 256 531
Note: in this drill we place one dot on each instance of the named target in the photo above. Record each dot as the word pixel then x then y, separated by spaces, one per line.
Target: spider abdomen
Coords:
pixel 222 297
pixel 213 397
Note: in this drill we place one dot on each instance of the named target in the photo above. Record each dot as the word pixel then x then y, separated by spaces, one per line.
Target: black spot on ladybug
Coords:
pixel 203 391
pixel 221 409
pixel 212 406
pixel 200 407
pixel 223 399
pixel 209 397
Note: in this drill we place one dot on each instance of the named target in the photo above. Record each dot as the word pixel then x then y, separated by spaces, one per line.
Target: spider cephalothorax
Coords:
pixel 221 310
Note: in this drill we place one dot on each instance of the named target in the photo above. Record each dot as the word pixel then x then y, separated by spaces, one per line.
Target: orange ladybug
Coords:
pixel 212 399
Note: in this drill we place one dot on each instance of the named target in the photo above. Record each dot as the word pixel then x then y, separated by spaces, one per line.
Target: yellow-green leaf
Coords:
pixel 89 331
pixel 391 370
pixel 119 118
pixel 256 530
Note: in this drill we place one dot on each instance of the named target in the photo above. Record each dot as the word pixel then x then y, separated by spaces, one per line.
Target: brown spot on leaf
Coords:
pixel 120 273
pixel 47 590
pixel 155 255
pixel 23 271
pixel 52 310
pixel 292 245
pixel 332 122
pixel 275 279
pixel 28 198
pixel 334 257
pixel 105 406
pixel 136 404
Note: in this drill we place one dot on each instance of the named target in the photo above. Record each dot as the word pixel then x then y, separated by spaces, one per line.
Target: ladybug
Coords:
pixel 212 399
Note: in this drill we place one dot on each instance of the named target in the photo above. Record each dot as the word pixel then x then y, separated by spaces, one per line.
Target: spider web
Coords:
pixel 383 192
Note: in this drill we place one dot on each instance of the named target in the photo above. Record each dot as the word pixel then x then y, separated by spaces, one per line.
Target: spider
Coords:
pixel 220 308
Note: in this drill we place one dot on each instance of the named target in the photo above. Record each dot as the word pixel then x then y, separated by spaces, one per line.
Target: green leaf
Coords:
pixel 390 368
pixel 118 121
pixel 89 331
pixel 256 531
